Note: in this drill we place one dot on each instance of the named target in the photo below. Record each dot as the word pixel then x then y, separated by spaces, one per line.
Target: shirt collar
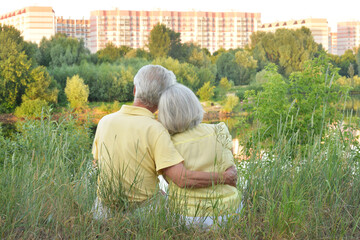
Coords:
pixel 133 110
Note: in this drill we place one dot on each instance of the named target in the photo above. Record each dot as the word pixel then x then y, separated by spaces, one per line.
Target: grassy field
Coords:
pixel 48 186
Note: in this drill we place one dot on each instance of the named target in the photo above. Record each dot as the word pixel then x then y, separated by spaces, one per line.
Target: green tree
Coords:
pixel 289 49
pixel 77 92
pixel 111 53
pixel 62 50
pixel 159 41
pixel 227 67
pixel 272 104
pixel 224 87
pixel 345 61
pixel 247 65
pixel 15 68
pixel 303 105
pixel 42 86
pixel 206 92
pixel 231 102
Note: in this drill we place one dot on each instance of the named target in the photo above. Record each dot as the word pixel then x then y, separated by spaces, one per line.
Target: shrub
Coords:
pixel 77 92
pixel 31 108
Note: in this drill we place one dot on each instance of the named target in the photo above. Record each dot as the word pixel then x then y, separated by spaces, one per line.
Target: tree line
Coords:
pixel 33 76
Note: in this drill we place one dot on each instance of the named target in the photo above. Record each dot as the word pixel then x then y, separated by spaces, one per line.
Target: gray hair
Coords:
pixel 150 81
pixel 179 109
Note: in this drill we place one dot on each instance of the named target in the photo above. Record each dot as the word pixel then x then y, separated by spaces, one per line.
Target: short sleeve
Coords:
pixel 165 153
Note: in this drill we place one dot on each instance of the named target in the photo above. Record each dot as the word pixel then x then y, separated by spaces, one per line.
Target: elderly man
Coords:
pixel 132 148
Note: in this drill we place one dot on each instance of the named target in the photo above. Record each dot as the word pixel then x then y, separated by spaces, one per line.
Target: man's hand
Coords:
pixel 230 176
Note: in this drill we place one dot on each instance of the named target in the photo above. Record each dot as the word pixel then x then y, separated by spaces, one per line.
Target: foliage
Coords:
pixel 20 78
pixel 311 98
pixel 316 96
pixel 231 102
pixel 32 108
pixel 159 41
pixel 272 104
pixel 227 67
pixel 77 92
pixel 289 49
pixel 185 73
pixel 247 66
pixel 206 92
pixel 15 68
pixel 42 86
pixel 102 78
pixel 111 53
pixel 224 87
pixel 61 50
pixel 347 61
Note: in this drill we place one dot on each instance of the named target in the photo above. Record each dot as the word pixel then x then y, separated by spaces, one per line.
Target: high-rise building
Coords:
pixel 211 30
pixel 333 43
pixel 348 36
pixel 318 26
pixel 34 23
pixel 76 28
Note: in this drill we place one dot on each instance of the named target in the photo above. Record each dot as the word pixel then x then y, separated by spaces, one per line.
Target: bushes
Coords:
pixel 76 92
pixel 31 108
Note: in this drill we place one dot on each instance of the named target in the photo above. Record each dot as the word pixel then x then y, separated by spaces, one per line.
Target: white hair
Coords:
pixel 179 109
pixel 150 81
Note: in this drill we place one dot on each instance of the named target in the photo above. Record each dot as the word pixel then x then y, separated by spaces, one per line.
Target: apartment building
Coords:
pixel 211 30
pixel 333 43
pixel 348 36
pixel 318 26
pixel 76 28
pixel 34 23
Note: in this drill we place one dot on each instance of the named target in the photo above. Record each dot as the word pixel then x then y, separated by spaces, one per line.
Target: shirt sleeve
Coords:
pixel 165 153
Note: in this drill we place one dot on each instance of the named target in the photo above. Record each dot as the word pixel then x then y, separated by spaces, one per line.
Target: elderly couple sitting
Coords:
pixel 132 148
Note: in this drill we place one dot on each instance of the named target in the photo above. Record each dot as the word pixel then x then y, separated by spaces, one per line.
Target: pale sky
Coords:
pixel 271 10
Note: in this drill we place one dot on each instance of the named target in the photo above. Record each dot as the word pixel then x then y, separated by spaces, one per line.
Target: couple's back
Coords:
pixel 131 147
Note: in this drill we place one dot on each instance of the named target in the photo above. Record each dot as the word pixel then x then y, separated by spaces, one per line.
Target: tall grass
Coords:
pixel 48 186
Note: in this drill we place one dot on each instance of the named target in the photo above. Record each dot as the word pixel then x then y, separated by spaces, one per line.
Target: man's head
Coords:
pixel 150 81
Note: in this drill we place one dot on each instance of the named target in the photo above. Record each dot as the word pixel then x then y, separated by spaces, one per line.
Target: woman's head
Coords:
pixel 179 109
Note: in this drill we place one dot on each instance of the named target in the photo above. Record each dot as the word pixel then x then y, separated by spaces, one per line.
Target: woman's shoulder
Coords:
pixel 223 135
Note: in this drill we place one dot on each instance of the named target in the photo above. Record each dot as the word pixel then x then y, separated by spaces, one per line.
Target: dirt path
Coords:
pixel 7 118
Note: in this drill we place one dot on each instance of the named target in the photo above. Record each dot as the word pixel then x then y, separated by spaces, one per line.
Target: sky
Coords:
pixel 271 10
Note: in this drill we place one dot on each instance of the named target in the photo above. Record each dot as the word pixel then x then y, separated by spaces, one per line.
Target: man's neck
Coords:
pixel 138 103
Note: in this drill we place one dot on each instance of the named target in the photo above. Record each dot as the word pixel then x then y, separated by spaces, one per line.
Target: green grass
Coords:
pixel 48 186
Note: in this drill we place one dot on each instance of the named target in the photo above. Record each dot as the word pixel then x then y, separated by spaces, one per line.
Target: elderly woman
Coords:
pixel 205 147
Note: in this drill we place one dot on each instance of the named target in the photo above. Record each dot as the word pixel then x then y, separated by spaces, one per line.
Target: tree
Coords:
pixel 159 41
pixel 77 92
pixel 345 61
pixel 227 67
pixel 303 105
pixel 231 102
pixel 199 58
pixel 62 50
pixel 15 68
pixel 247 66
pixel 272 104
pixel 41 86
pixel 206 92
pixel 289 49
pixel 111 53
pixel 224 87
